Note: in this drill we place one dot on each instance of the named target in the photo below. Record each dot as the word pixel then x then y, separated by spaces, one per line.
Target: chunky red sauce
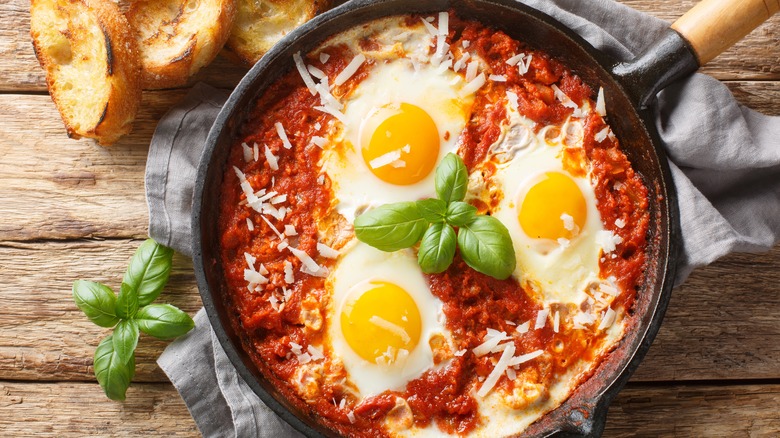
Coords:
pixel 472 301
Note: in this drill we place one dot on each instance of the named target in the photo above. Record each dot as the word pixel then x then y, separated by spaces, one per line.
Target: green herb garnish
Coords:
pixel 129 314
pixel 484 241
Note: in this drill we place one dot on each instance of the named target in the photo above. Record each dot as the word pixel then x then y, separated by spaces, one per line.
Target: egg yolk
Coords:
pixel 381 321
pixel 404 147
pixel 553 208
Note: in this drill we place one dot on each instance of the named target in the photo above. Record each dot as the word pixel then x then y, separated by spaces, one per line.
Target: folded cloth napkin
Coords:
pixel 725 162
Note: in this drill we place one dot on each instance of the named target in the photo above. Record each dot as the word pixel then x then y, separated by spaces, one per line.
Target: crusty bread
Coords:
pixel 178 37
pixel 92 65
pixel 262 23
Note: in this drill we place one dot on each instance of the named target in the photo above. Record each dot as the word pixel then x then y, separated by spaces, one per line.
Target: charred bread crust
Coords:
pixel 179 37
pixel 92 65
pixel 260 24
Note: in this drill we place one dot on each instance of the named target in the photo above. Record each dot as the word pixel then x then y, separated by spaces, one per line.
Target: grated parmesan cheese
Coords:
pixel 601 107
pixel 523 328
pixel 517 360
pixel 288 272
pixel 283 135
pixel 471 70
pixel 289 230
pixel 607 319
pixel 250 225
pixel 315 353
pixel 491 341
pixel 392 328
pixel 350 69
pixel 317 73
pixel 556 321
pixel 279 199
pixel 601 135
pixel 247 152
pixel 429 27
pixel 333 112
pixel 498 370
pixel 568 221
pixel 515 59
pixel 541 319
pixel 497 78
pixel 319 141
pixel 607 240
pixel 474 85
pixel 273 160
pixel 324 57
pixel 327 251
pixel 304 73
pixel 620 223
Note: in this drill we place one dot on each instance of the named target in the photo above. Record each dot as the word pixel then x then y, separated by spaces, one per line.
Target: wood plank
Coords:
pixel 80 409
pixel 757 57
pixel 43 336
pixel 760 96
pixel 56 188
pixel 74 190
pixel 695 411
pixel 721 324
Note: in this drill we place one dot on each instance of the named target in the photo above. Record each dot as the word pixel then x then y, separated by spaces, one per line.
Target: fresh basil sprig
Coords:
pixel 129 314
pixel 484 242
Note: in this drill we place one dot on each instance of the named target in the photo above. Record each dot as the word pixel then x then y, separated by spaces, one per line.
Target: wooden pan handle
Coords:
pixel 713 26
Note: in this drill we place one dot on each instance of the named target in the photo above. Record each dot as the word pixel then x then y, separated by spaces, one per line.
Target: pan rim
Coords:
pixel 298 39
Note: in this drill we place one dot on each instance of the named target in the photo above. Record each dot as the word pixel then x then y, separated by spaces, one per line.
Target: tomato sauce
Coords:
pixel 472 301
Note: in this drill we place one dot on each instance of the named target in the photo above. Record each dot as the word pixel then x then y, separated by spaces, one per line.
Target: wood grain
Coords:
pixel 712 26
pixel 43 336
pixel 57 188
pixel 81 409
pixel 757 57
pixel 53 187
pixel 155 410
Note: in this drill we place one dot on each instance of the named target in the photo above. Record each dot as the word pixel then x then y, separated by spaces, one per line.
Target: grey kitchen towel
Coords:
pixel 725 161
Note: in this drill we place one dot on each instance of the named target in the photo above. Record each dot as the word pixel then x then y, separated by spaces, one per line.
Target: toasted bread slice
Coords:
pixel 92 65
pixel 262 23
pixel 178 37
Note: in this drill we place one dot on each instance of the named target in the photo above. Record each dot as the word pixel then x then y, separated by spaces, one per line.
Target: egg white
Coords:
pixel 362 263
pixel 403 80
pixel 557 271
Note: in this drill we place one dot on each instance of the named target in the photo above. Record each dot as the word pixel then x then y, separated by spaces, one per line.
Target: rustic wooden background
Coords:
pixel 73 210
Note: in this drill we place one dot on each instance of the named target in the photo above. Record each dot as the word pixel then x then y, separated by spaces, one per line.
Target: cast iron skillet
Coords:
pixel 630 89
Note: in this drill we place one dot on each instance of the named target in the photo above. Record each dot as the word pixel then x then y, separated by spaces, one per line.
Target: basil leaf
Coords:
pixel 127 302
pixel 460 213
pixel 432 210
pixel 125 339
pixel 437 248
pixel 391 227
pixel 163 321
pixel 113 374
pixel 486 246
pixel 451 178
pixel 148 270
pixel 97 301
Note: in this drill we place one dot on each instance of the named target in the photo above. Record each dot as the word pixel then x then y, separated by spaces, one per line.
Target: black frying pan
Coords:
pixel 630 88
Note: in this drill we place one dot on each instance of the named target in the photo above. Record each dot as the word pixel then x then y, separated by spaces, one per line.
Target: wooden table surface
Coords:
pixel 74 210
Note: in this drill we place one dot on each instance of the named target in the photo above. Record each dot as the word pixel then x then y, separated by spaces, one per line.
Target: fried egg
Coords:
pixel 550 212
pixel 382 319
pixel 399 123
